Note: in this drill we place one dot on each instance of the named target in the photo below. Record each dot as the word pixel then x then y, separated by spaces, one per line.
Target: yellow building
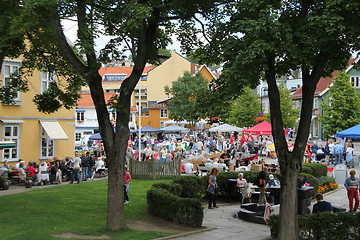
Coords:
pixel 38 136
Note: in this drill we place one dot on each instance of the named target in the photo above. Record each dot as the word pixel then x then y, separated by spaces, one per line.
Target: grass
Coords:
pixel 75 208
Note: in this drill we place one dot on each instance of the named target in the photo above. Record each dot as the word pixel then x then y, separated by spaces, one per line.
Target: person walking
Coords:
pixel 261 183
pixel 76 168
pixel 349 156
pixel 352 186
pixel 242 186
pixel 127 179
pixel 212 188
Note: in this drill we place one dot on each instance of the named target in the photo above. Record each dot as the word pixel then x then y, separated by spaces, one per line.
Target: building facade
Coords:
pixel 38 136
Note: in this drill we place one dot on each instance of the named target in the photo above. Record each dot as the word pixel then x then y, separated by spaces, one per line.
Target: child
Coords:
pixel 349 156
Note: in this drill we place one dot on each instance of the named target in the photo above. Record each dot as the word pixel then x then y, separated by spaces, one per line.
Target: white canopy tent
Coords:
pixel 226 128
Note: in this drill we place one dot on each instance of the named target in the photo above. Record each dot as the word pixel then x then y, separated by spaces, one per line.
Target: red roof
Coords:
pixel 86 100
pixel 121 70
pixel 320 87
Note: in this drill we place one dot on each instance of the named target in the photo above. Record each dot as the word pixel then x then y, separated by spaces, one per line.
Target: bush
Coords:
pixel 185 211
pixel 326 184
pixel 319 169
pixel 173 188
pixel 192 186
pixel 311 180
pixel 307 170
pixel 323 226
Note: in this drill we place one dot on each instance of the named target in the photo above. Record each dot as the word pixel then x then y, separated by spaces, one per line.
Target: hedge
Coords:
pixel 319 169
pixel 192 186
pixel 323 226
pixel 163 202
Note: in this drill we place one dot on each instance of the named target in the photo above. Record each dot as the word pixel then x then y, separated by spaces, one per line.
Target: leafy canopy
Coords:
pixel 342 110
pixel 188 98
pixel 244 109
pixel 290 114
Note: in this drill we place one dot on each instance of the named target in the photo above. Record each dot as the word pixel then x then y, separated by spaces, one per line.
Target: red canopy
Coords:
pixel 263 128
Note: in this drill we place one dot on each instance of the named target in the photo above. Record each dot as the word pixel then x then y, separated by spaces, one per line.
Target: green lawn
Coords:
pixel 70 208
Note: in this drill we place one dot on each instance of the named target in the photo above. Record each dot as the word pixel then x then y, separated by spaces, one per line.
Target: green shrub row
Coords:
pixel 192 186
pixel 165 201
pixel 317 169
pixel 323 226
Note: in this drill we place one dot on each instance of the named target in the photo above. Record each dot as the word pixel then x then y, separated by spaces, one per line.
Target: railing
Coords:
pixel 154 169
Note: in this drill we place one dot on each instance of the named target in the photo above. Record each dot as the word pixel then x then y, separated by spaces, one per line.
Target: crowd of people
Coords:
pixel 81 167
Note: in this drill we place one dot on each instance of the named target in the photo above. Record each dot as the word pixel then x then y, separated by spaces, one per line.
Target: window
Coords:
pixel 163 113
pixel 11 133
pixel 80 116
pixel 47 145
pixel 10 70
pixel 162 124
pixel 355 81
pixel 143 78
pixel 77 136
pixel 316 103
pixel 112 116
pixel 115 77
pixel 46 78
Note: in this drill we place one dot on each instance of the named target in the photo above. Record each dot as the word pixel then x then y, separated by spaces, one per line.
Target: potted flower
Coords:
pixel 4 182
pixel 28 182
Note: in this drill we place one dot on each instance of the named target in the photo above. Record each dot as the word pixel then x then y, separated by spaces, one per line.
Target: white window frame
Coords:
pixel 78 136
pixel 355 81
pixel 49 144
pixel 12 137
pixel 316 103
pixel 45 79
pixel 164 113
pixel 112 115
pixel 6 74
pixel 162 124
pixel 113 77
pixel 80 116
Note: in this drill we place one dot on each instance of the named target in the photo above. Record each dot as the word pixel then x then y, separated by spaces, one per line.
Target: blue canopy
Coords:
pixel 147 129
pixel 353 132
pixel 96 136
pixel 174 128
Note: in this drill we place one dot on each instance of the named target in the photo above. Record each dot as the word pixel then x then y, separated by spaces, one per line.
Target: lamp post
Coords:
pixel 139 120
pixel 261 91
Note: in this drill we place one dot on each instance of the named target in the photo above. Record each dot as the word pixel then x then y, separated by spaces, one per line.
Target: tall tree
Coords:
pixel 244 109
pixel 141 27
pixel 265 39
pixel 188 96
pixel 289 112
pixel 342 110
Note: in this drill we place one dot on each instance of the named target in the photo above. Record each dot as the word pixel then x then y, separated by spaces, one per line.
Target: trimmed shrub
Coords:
pixel 319 169
pixel 174 188
pixel 307 170
pixel 192 186
pixel 311 180
pixel 185 211
pixel 323 226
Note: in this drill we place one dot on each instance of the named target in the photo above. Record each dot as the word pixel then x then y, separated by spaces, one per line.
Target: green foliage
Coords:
pixel 307 170
pixel 321 226
pixel 185 211
pixel 289 112
pixel 319 169
pixel 311 180
pixel 173 188
pixel 191 186
pixel 244 109
pixel 189 94
pixel 342 109
pixel 325 180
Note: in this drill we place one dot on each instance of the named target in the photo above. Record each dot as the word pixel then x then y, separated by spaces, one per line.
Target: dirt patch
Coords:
pixel 159 225
pixel 77 236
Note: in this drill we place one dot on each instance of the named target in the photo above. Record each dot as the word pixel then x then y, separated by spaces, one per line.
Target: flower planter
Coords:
pixel 28 184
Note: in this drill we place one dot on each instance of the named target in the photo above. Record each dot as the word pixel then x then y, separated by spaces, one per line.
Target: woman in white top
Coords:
pixel 242 186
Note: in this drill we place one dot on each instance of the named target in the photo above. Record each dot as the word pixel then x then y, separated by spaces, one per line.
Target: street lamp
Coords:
pixel 261 91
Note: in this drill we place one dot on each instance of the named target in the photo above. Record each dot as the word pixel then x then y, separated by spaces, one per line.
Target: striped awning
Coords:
pixel 7 144
pixel 54 130
pixel 12 121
